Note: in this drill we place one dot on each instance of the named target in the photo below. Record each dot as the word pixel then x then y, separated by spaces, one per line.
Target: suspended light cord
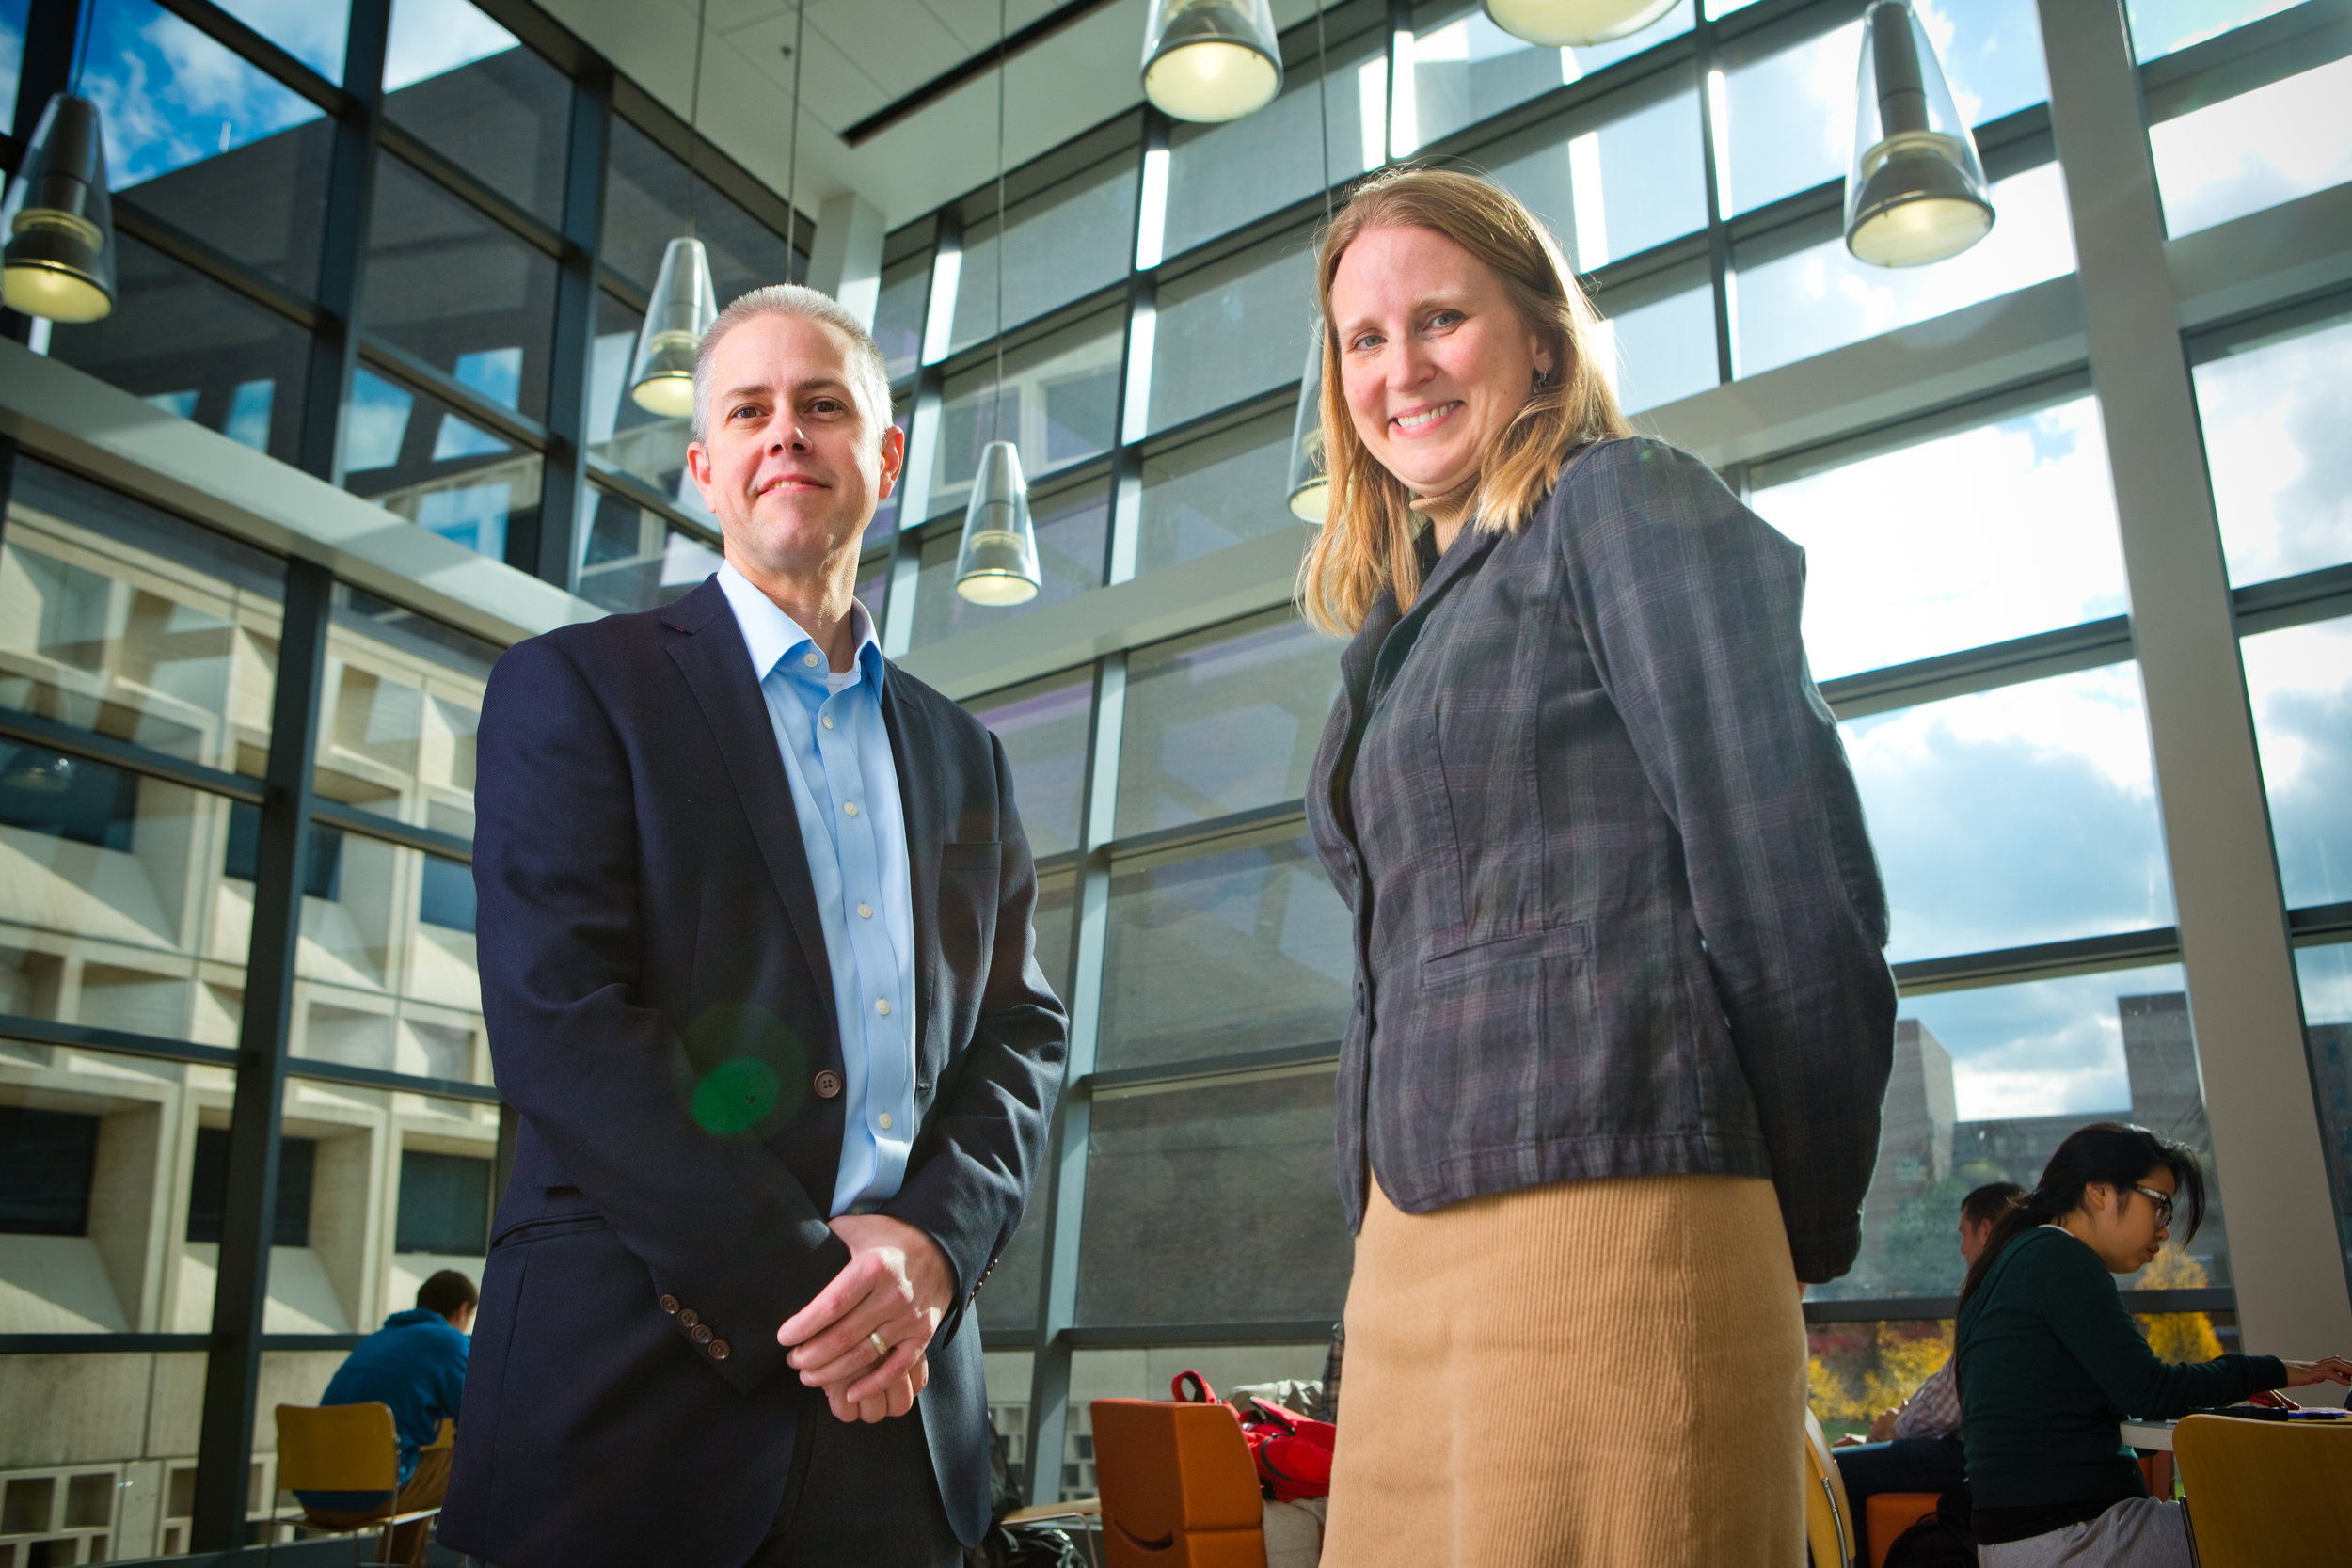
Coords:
pixel 81 56
pixel 1323 110
pixel 792 158
pixel 996 403
pixel 694 113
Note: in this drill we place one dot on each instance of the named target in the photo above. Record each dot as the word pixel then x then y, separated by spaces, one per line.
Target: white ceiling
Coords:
pixel 862 54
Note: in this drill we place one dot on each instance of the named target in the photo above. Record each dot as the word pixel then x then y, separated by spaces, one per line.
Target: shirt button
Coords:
pixel 809 660
pixel 883 1121
pixel 882 1006
pixel 825 720
pixel 866 911
pixel 849 806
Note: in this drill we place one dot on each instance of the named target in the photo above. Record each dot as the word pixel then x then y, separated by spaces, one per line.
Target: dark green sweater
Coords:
pixel 2050 1364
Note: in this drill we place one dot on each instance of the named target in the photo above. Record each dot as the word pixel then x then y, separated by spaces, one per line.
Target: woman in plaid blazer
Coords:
pixel 1610 1092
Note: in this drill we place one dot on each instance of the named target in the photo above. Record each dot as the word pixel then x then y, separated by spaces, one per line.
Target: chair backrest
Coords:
pixel 2264 1493
pixel 1828 1516
pixel 1177 1484
pixel 338 1447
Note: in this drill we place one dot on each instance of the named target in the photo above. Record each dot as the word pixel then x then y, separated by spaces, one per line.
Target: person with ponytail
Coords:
pixel 2050 1363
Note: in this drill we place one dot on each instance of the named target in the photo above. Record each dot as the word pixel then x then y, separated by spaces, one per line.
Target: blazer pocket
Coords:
pixel 1459 965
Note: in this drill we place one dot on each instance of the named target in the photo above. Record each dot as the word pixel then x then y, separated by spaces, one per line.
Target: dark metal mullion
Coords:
pixel 211 263
pixel 454 179
pixel 514 425
pixel 432 841
pixel 377 1078
pixel 344 246
pixel 128 755
pixel 257 49
pixel 551 551
pixel 1934 1308
pixel 158 1047
pixel 1718 232
pixel 241 1290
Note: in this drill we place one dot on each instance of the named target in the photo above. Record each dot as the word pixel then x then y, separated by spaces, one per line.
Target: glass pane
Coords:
pixel 2162 26
pixel 634 559
pixel 412 454
pixel 1059 406
pixel 1914 553
pixel 1221 176
pixel 1071 530
pixel 191 347
pixel 1991 52
pixel 207 141
pixel 1213 1205
pixel 2255 151
pixel 313 32
pixel 1009 1301
pixel 1043 728
pixel 1466 68
pixel 1860 1369
pixel 1821 298
pixel 1057 898
pixel 899 313
pixel 1067 242
pixel 12 16
pixel 1231 329
pixel 644 209
pixel 118 618
pixel 1616 189
pixel 2017 815
pixel 1663 349
pixel 396 726
pixel 457 290
pixel 1242 948
pixel 1217 491
pixel 621 434
pixel 1223 721
pixel 2274 414
pixel 2326 974
pixel 388 961
pixel 2300 683
pixel 475 95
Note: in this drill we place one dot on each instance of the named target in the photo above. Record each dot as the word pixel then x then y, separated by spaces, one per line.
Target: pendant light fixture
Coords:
pixel 1210 60
pixel 996 562
pixel 1916 191
pixel 1310 480
pixel 685 302
pixel 58 220
pixel 1574 22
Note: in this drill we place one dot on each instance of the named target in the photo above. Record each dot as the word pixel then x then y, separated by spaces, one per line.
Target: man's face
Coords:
pixel 789 464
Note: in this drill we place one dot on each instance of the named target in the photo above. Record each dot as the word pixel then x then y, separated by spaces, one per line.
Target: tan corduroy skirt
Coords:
pixel 1607 1372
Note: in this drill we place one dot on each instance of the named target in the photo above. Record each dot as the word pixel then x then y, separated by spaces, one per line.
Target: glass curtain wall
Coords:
pixel 1694 176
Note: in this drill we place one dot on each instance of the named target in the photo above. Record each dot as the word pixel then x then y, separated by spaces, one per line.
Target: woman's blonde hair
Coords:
pixel 1367 542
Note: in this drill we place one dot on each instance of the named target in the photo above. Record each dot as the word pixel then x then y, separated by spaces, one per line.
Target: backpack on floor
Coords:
pixel 1939 1540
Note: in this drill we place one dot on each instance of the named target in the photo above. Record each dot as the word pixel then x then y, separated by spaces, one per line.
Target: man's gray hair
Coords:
pixel 870 381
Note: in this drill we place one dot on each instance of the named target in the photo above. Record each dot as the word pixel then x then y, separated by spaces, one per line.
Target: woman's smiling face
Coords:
pixel 1434 361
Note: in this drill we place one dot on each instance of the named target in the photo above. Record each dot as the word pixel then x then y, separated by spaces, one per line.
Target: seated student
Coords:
pixel 2050 1363
pixel 416 1363
pixel 1917 1446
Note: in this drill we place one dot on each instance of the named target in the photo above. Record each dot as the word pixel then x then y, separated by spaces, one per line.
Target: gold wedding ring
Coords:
pixel 882 1351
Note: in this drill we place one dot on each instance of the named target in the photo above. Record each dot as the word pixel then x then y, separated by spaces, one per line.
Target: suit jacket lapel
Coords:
pixel 718 669
pixel 910 731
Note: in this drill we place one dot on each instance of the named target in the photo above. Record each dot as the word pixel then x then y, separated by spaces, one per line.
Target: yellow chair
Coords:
pixel 2265 1493
pixel 345 1448
pixel 1828 1516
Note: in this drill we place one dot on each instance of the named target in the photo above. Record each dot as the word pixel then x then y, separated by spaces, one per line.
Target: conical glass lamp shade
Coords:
pixel 1310 486
pixel 1575 22
pixel 1916 193
pixel 684 305
pixel 1210 60
pixel 59 223
pixel 997 564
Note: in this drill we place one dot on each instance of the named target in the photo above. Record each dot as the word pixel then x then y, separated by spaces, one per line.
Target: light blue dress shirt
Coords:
pixel 844 786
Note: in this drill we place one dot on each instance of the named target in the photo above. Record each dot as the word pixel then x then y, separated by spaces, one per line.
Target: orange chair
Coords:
pixel 1178 1490
pixel 1887 1515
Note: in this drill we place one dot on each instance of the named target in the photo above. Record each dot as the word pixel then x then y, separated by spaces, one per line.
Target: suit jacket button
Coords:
pixel 688 1318
pixel 718 1350
pixel 702 1334
pixel 828 1084
pixel 669 1305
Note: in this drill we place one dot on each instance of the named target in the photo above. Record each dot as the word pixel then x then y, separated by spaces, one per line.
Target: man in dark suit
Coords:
pixel 757 962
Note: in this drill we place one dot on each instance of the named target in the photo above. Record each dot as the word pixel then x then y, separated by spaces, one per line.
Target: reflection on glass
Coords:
pixel 1223 721
pixel 190 347
pixel 1192 1192
pixel 199 136
pixel 1466 68
pixel 457 290
pixel 1217 491
pixel 1071 531
pixel 2274 414
pixel 1059 406
pixel 2017 815
pixel 2300 683
pixel 386 958
pixel 1069 240
pixel 644 209
pixel 413 455
pixel 1043 728
pixel 1914 553
pixel 497 110
pixel 1821 298
pixel 1240 948
pixel 2326 974
pixel 396 724
pixel 624 435
pixel 2163 27
pixel 1230 329
pixel 1221 176
pixel 898 315
pixel 118 618
pixel 2255 151
pixel 1661 350
pixel 633 558
pixel 1620 187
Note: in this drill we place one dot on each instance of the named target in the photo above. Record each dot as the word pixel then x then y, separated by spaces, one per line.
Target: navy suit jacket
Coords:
pixel 654 977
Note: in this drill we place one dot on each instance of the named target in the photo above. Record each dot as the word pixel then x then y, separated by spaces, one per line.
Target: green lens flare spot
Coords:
pixel 734 1097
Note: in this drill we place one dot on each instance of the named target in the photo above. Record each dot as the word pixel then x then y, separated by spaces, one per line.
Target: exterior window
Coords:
pixel 1062 244
pixel 1043 728
pixel 444 1204
pixel 208 1190
pixel 2300 683
pixel 2273 412
pixel 47 1163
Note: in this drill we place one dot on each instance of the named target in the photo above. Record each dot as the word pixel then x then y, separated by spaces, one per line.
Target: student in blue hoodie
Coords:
pixel 416 1363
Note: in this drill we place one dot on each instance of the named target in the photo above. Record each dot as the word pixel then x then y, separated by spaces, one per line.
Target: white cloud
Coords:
pixel 433 36
pixel 2255 151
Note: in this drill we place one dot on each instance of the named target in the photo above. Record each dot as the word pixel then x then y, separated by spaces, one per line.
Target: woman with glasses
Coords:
pixel 2050 1363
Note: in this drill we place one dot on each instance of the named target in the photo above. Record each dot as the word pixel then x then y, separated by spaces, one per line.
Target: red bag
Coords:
pixel 1292 1452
